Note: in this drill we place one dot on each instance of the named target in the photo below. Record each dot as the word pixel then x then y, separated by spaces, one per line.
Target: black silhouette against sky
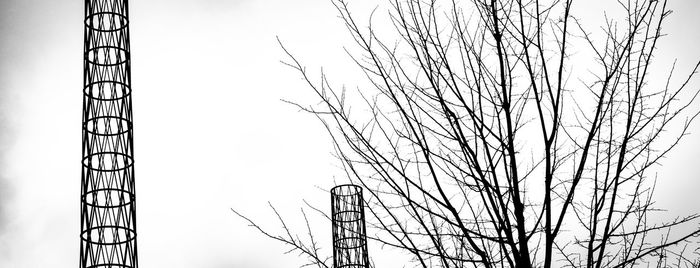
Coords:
pixel 212 132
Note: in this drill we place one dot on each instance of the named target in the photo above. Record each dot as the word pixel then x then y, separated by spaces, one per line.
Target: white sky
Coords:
pixel 210 130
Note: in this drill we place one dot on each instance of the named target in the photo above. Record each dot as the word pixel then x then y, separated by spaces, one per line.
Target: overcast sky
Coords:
pixel 210 130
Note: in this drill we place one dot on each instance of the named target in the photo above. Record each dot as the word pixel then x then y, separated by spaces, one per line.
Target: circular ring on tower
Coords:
pixel 346 190
pixel 108 198
pixel 107 161
pixel 107 126
pixel 347 216
pixel 348 243
pixel 107 90
pixel 108 235
pixel 352 265
pixel 109 265
pixel 106 21
pixel 107 55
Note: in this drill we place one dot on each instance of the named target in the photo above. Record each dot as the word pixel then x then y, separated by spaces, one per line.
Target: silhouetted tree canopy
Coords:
pixel 510 134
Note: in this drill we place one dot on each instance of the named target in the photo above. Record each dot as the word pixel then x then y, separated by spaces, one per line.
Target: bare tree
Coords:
pixel 478 149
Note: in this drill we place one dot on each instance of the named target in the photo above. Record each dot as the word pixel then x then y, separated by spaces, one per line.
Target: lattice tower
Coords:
pixel 108 213
pixel 349 231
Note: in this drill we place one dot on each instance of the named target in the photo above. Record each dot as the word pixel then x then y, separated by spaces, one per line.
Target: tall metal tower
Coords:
pixel 108 213
pixel 349 231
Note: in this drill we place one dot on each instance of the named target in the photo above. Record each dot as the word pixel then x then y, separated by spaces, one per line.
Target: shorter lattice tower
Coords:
pixel 349 231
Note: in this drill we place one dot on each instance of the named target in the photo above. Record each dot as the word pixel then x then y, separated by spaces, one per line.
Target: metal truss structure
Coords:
pixel 108 213
pixel 349 231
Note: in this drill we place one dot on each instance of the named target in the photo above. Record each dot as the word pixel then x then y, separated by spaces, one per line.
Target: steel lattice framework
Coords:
pixel 349 231
pixel 108 214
